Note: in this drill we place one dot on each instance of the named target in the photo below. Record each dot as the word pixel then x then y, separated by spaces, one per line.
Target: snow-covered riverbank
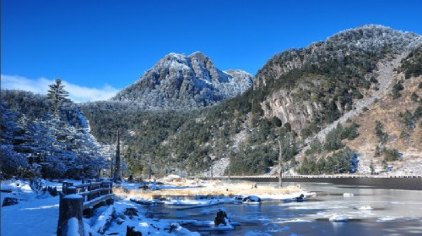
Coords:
pixel 37 211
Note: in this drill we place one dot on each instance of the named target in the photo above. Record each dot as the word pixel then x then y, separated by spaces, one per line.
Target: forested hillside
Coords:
pixel 37 141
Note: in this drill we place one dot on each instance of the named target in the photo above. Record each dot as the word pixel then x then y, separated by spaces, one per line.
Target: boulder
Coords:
pixel 300 198
pixel 131 211
pixel 130 231
pixel 252 199
pixel 221 218
pixel 52 191
pixel 8 201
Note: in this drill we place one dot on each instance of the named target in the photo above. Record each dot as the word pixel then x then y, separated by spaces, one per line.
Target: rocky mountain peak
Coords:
pixel 178 81
pixel 199 56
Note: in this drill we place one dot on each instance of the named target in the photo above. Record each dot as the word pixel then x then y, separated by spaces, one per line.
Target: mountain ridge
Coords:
pixel 289 102
pixel 296 58
pixel 178 81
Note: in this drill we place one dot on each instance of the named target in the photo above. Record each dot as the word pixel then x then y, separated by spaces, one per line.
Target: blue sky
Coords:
pixel 105 45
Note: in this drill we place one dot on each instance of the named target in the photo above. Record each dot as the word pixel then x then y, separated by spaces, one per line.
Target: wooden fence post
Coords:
pixel 71 206
pixel 66 185
pixel 110 191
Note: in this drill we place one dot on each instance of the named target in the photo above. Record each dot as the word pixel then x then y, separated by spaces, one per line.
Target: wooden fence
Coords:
pixel 77 199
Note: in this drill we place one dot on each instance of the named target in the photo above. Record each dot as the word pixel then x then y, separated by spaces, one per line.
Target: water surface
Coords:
pixel 369 211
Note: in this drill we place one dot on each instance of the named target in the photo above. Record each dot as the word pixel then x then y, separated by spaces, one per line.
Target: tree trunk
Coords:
pixel 212 174
pixel 150 167
pixel 280 173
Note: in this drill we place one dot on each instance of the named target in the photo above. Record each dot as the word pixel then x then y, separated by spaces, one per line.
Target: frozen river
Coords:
pixel 369 211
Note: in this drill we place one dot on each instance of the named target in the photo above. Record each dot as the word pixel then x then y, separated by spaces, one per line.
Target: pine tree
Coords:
pixel 117 175
pixel 57 95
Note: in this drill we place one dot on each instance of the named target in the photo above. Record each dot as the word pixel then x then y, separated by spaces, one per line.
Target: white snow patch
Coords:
pixel 338 218
pixel 348 194
pixel 73 227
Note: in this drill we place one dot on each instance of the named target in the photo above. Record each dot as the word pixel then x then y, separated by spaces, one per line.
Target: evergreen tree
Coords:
pixel 117 174
pixel 57 95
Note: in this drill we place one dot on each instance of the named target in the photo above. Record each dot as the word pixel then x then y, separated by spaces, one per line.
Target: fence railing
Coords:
pixel 75 199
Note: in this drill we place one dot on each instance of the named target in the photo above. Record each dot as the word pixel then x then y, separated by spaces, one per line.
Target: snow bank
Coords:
pixel 104 220
pixel 16 185
pixel 40 216
pixel 147 226
pixel 73 227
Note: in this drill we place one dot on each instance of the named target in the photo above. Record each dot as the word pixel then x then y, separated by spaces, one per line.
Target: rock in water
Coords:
pixel 252 199
pixel 300 198
pixel 221 218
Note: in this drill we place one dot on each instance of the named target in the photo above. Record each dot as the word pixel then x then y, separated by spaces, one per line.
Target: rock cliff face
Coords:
pixel 185 82
pixel 282 105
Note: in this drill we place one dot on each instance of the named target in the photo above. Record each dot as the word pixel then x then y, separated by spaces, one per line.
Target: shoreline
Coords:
pixel 382 182
pixel 188 189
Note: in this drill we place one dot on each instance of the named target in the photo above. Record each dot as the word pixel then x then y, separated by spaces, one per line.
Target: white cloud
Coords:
pixel 76 92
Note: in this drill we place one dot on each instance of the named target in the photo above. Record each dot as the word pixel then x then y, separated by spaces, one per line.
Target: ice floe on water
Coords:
pixel 338 218
pixel 365 208
pixel 387 218
pixel 317 205
pixel 348 195
pixel 293 220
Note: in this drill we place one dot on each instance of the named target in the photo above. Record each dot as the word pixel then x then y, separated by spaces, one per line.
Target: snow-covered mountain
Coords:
pixel 178 81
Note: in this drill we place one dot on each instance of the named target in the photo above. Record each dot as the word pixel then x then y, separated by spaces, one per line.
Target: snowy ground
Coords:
pixel 37 213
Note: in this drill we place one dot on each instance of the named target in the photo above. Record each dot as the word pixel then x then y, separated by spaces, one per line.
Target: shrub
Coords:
pixel 276 122
pixel 397 88
pixel 314 147
pixel 350 132
pixel 333 139
pixel 12 163
pixel 373 80
pixel 344 161
pixel 407 119
pixel 418 113
pixel 391 154
pixel 411 65
pixel 379 132
pixel 414 97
